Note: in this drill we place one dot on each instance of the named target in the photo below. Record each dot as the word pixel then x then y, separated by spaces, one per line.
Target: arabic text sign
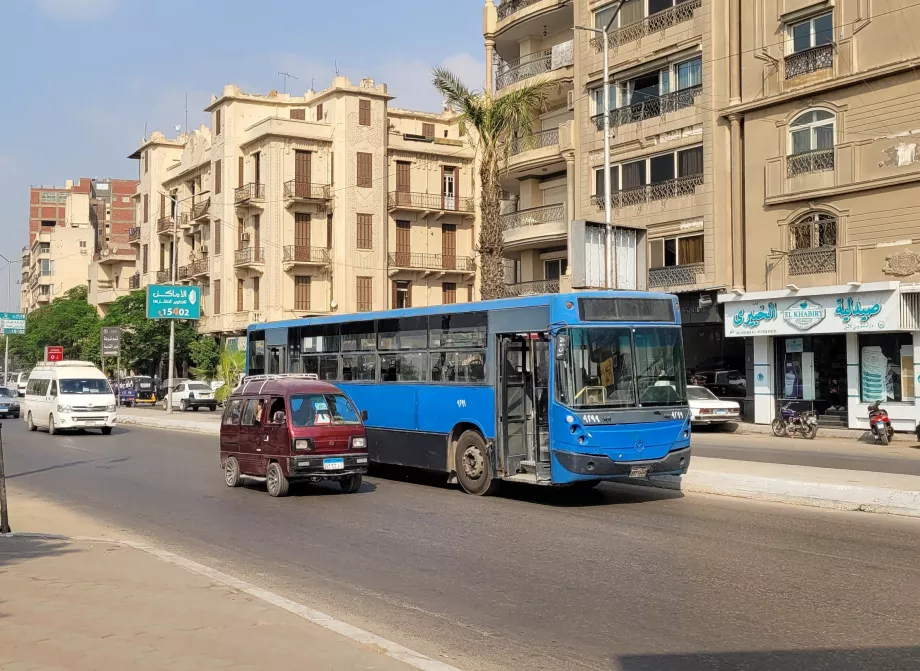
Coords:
pixel 830 313
pixel 14 323
pixel 54 352
pixel 166 301
pixel 111 341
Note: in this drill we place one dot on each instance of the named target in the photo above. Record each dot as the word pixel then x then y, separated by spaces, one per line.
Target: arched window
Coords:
pixel 813 231
pixel 811 131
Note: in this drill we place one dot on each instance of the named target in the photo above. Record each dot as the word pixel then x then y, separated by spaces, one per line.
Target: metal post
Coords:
pixel 173 260
pixel 608 191
pixel 4 512
pixel 6 355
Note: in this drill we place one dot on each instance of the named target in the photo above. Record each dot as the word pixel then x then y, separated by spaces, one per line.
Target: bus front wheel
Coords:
pixel 474 469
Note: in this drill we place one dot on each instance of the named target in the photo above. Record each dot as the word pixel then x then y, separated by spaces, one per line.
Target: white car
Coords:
pixel 707 408
pixel 192 395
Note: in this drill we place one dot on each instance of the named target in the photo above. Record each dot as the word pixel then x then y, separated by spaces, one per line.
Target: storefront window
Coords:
pixel 812 368
pixel 886 364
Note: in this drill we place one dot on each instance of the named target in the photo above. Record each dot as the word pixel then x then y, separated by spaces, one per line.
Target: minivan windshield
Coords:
pixel 84 386
pixel 322 409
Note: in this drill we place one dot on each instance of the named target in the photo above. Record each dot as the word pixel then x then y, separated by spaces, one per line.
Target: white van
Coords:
pixel 64 395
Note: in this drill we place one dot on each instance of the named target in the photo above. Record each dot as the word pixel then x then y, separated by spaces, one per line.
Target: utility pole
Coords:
pixel 4 512
pixel 608 190
pixel 6 354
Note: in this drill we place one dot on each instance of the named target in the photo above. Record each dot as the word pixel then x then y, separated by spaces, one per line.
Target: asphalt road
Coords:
pixel 619 578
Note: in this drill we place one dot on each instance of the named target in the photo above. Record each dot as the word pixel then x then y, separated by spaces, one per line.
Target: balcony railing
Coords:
pixel 184 273
pixel 249 192
pixel 134 234
pixel 201 209
pixel 165 225
pixel 431 262
pixel 509 7
pixel 650 25
pixel 672 188
pixel 810 60
pixel 651 108
pixel 164 276
pixel 818 160
pixel 134 282
pixel 428 201
pixel 813 261
pixel 298 254
pixel 249 256
pixel 532 288
pixel 548 214
pixel 524 68
pixel 200 266
pixel 295 190
pixel 546 138
pixel 674 276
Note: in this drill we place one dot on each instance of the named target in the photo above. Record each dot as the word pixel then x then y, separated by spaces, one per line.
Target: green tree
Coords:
pixel 232 365
pixel 495 122
pixel 204 354
pixel 68 321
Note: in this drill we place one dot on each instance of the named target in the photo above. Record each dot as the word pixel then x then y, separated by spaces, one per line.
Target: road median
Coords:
pixel 178 421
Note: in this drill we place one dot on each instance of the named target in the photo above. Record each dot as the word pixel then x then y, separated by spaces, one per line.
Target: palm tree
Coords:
pixel 495 122
pixel 231 366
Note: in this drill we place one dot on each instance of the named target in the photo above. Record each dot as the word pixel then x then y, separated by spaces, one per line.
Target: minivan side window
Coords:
pixel 276 413
pixel 252 414
pixel 232 413
pixel 37 387
pixel 53 391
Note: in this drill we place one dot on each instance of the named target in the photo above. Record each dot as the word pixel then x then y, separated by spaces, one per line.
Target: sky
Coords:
pixel 81 79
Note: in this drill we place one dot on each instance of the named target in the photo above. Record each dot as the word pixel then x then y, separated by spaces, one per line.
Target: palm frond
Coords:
pixel 458 95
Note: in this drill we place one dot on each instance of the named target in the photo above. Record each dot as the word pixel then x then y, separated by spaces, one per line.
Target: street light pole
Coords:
pixel 6 347
pixel 608 190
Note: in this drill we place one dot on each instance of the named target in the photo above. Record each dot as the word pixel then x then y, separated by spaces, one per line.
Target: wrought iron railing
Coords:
pixel 306 190
pixel 651 108
pixel 201 209
pixel 200 266
pixel 532 288
pixel 813 261
pixel 810 60
pixel 819 160
pixel 650 25
pixel 184 272
pixel 164 276
pixel 674 276
pixel 299 254
pixel 547 214
pixel 184 220
pixel 430 261
pixel 429 201
pixel 248 192
pixel 523 68
pixel 672 188
pixel 545 138
pixel 509 7
pixel 134 234
pixel 249 255
pixel 165 225
pixel 134 282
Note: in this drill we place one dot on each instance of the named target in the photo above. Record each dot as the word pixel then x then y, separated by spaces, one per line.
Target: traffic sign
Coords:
pixel 111 341
pixel 54 352
pixel 167 301
pixel 14 323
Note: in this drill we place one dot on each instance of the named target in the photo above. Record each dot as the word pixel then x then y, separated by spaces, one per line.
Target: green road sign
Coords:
pixel 170 301
pixel 14 323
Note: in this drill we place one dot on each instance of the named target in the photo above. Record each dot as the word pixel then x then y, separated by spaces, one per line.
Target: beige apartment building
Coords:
pixel 670 148
pixel 58 258
pixel 293 206
pixel 825 153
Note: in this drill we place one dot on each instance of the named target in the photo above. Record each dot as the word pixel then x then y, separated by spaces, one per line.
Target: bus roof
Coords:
pixel 478 306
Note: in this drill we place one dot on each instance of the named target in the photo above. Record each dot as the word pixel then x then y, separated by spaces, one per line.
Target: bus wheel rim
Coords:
pixel 473 463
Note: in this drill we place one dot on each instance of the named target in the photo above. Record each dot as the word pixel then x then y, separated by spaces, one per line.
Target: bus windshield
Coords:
pixel 624 368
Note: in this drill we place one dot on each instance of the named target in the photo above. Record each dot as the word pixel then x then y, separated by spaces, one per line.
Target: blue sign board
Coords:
pixel 170 301
pixel 14 323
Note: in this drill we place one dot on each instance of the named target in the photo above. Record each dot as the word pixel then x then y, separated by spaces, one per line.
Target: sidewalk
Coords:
pixel 196 421
pixel 86 604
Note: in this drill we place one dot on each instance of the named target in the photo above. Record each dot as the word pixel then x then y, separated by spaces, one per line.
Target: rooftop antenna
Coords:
pixel 186 112
pixel 286 76
pixel 336 67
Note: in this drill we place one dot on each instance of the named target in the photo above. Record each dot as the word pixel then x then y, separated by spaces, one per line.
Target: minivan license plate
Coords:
pixel 334 464
pixel 638 472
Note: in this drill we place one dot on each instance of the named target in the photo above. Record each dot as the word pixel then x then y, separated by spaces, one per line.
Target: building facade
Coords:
pixel 824 151
pixel 111 216
pixel 290 206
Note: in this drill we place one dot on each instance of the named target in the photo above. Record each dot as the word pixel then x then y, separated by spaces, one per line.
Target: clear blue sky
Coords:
pixel 80 78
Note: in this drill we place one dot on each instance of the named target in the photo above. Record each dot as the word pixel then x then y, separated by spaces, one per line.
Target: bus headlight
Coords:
pixel 359 443
pixel 65 408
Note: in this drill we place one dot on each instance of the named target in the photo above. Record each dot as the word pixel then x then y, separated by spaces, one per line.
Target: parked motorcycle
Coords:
pixel 791 422
pixel 880 424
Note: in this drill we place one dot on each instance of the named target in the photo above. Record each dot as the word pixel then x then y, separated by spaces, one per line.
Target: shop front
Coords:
pixel 832 349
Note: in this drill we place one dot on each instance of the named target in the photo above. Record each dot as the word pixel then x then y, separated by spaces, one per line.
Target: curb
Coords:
pixel 171 424
pixel 858 435
pixel 815 494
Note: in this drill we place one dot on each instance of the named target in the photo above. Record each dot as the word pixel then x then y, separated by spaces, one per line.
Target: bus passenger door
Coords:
pixel 523 379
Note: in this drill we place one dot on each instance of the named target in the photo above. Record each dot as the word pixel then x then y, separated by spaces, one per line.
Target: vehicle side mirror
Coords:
pixel 562 346
pixel 364 415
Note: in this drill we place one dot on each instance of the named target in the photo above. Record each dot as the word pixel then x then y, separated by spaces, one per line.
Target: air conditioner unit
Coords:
pixel 570 100
pixel 244 237
pixel 204 249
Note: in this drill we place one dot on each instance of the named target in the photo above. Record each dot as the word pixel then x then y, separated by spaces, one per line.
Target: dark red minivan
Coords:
pixel 286 429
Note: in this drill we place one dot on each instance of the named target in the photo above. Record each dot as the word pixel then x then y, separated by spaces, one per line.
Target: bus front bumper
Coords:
pixel 598 465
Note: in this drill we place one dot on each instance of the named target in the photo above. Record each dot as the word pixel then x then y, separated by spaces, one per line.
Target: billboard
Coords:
pixel 170 301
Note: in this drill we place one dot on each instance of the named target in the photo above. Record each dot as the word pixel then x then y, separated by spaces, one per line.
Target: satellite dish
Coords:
pixel 333 304
pixel 178 128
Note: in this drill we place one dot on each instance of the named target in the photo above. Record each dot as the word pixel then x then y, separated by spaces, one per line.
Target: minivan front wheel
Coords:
pixel 52 429
pixel 351 483
pixel 232 472
pixel 275 480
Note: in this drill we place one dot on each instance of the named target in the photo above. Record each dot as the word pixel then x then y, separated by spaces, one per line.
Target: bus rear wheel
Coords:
pixel 474 469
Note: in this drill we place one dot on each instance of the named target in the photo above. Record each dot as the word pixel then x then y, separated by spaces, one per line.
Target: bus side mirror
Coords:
pixel 562 346
pixel 364 415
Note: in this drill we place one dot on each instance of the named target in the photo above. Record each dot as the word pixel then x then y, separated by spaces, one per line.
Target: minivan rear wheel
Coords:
pixel 351 483
pixel 30 423
pixel 275 481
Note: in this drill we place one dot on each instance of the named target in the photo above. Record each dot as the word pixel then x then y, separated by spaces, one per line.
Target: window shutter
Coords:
pixel 319 112
pixel 301 292
pixel 365 231
pixel 217 297
pixel 146 208
pixel 300 115
pixel 217 226
pixel 239 295
pixel 329 231
pixel 301 229
pixel 365 292
pixel 393 296
pixel 162 204
pixel 217 180
pixel 240 171
pixel 448 293
pixel 428 129
pixel 365 170
pixel 217 122
pixel 255 293
pixel 469 293
pixel 145 253
pixel 364 112
pixel 656 254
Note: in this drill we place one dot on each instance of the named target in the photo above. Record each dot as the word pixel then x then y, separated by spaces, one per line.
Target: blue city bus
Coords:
pixel 560 389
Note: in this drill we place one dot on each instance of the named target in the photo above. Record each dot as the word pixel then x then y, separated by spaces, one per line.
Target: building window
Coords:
pixel 329 230
pixel 676 251
pixel 217 226
pixel 603 15
pixel 654 178
pixel 301 292
pixel 427 130
pixel 217 177
pixel 217 122
pixel 319 112
pixel 811 142
pixel 469 293
pixel 299 115
pixel 402 294
pixel 364 112
pixel 365 291
pixel 812 244
pixel 365 229
pixel 145 253
pixel 255 293
pixel 239 295
pixel 365 170
pixel 146 156
pixel 448 293
pixel 886 367
pixel 554 268
pixel 82 245
pixel 146 207
pixel 810 46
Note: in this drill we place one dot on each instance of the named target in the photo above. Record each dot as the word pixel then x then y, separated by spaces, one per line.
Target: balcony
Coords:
pixel 641 195
pixel 813 261
pixel 306 192
pixel 134 282
pixel 109 255
pixel 509 7
pixel 165 225
pixel 40 297
pixel 650 108
pixel 540 140
pixel 534 227
pixel 811 60
pixel 306 256
pixel 523 68
pixel 200 266
pixel 532 288
pixel 184 273
pixel 428 202
pixel 547 214
pixel 249 194
pixel 164 276
pixel 674 276
pixel 200 209
pixel 431 262
pixel 819 160
pixel 249 257
pixel 651 25
pixel 134 235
